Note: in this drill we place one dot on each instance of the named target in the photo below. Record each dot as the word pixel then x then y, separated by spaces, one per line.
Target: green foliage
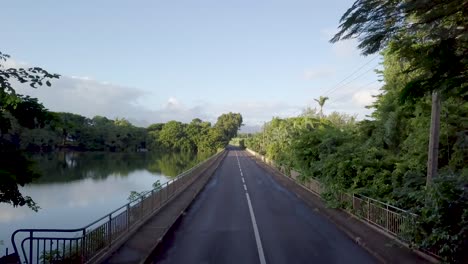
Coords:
pixel 197 136
pixel 442 225
pixel 134 195
pixel 229 124
pixel 426 50
pixel 429 35
pixel 157 185
pixel 321 101
pixel 385 158
pixel 15 168
pixel 173 136
pixel 238 141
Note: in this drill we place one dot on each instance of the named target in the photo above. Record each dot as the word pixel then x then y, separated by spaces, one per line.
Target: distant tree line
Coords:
pixel 76 132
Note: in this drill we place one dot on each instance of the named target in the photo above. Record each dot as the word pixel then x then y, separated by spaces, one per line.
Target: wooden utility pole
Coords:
pixel 433 153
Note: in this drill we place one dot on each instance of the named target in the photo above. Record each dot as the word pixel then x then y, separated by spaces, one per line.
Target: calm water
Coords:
pixel 77 188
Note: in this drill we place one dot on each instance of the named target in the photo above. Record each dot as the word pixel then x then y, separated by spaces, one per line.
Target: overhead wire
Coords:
pixel 350 75
pixel 346 84
pixel 360 88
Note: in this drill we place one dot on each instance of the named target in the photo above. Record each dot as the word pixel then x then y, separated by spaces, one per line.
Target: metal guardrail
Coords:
pixel 390 219
pixel 385 216
pixel 86 244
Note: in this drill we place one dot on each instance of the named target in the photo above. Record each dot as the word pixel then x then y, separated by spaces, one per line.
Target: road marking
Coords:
pixel 261 255
pixel 257 234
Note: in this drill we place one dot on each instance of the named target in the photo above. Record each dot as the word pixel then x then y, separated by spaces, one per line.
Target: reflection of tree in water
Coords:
pixel 172 164
pixel 72 166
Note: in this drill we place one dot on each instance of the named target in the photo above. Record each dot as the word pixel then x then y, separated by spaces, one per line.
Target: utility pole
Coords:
pixel 433 153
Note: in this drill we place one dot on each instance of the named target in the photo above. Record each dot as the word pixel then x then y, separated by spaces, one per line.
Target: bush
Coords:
pixel 442 225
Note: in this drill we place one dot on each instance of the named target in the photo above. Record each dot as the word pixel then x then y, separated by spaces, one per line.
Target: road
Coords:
pixel 244 216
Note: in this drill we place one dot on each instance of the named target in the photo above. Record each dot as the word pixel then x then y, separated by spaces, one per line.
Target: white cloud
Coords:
pixel 86 96
pixel 353 99
pixel 85 78
pixel 10 63
pixel 90 97
pixel 364 97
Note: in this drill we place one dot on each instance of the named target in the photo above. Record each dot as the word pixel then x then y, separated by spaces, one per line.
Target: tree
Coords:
pixel 174 137
pixel 429 35
pixel 155 127
pixel 15 169
pixel 321 101
pixel 229 124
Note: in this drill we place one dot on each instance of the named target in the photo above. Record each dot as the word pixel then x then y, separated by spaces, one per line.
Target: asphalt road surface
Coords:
pixel 244 216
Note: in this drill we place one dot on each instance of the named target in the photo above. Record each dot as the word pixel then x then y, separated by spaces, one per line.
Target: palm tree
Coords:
pixel 321 101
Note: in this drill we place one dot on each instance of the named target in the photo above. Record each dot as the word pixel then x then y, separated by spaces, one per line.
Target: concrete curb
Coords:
pixel 205 180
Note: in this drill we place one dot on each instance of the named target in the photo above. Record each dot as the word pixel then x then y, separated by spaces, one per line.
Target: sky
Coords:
pixel 155 61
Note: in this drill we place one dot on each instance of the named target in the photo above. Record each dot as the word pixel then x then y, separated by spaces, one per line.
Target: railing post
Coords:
pixel 368 209
pixel 167 191
pixel 387 224
pixel 83 246
pixel 109 231
pixel 128 217
pixel 31 247
pixel 152 201
pixel 142 212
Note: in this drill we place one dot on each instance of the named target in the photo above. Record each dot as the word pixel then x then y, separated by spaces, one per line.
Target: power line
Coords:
pixel 344 85
pixel 349 76
pixel 359 89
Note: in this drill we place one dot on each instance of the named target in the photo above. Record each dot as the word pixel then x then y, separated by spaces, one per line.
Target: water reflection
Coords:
pixel 79 187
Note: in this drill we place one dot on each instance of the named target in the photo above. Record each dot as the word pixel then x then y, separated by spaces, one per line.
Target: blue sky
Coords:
pixel 153 61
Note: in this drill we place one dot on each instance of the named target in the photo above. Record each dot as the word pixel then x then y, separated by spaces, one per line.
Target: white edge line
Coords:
pixel 261 255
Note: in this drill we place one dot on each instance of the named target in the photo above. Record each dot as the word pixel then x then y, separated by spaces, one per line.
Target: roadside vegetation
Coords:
pixel 425 51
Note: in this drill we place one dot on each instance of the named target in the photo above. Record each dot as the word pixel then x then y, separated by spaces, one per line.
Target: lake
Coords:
pixel 77 188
